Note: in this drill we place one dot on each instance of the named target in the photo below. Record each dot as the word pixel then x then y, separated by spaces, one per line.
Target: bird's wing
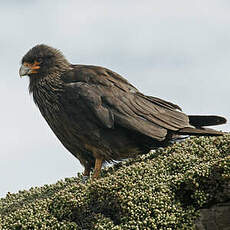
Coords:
pixel 114 101
pixel 89 98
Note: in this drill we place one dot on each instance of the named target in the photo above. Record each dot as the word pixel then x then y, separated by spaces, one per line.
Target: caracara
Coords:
pixel 98 115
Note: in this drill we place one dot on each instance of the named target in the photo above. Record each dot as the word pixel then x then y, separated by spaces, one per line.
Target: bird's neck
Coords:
pixel 45 89
pixel 52 78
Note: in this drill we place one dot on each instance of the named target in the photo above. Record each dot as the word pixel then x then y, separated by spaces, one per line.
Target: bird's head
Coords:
pixel 42 60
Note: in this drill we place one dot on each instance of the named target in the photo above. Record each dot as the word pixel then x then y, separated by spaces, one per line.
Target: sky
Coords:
pixel 176 50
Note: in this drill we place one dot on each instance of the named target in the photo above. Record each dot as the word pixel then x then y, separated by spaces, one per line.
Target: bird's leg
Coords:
pixel 97 168
pixel 85 174
pixel 86 171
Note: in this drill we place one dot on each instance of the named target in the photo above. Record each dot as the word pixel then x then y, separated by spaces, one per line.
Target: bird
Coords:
pixel 98 115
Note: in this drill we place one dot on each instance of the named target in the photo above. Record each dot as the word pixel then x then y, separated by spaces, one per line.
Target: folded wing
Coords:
pixel 115 102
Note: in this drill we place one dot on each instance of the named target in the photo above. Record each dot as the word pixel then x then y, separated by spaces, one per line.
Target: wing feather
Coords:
pixel 114 101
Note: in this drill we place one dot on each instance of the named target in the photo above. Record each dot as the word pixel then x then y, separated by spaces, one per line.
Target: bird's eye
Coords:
pixel 39 60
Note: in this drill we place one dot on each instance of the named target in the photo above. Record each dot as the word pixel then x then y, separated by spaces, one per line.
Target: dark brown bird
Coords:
pixel 98 115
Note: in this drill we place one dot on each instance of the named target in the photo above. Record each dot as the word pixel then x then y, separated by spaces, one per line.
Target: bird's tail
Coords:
pixel 199 121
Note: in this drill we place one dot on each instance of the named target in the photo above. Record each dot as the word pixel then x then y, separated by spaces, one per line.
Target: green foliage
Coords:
pixel 163 189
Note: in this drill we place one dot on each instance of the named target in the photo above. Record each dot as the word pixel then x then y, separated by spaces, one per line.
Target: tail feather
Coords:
pixel 199 121
pixel 200 132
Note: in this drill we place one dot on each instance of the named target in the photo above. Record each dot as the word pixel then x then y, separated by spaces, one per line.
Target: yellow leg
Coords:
pixel 97 168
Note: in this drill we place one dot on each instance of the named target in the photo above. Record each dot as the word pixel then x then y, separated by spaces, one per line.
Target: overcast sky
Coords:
pixel 176 50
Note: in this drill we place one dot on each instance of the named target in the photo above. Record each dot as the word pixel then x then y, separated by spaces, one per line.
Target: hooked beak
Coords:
pixel 24 70
pixel 27 68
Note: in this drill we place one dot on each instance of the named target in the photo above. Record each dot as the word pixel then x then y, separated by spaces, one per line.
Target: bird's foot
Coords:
pixel 84 179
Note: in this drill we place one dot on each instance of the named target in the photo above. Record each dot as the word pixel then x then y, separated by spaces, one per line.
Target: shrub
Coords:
pixel 163 189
